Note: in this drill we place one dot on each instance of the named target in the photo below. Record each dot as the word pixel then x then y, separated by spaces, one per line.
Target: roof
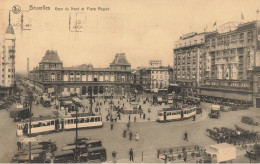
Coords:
pixel 10 29
pixel 51 57
pixel 222 145
pixel 120 59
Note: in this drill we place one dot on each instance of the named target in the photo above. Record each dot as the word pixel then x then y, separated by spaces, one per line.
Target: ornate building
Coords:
pixel 231 55
pixel 52 77
pixel 7 62
pixel 220 63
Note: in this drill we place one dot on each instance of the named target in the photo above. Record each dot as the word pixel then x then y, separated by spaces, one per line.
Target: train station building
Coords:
pixel 52 77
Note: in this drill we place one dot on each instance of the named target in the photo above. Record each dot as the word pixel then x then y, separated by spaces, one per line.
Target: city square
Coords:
pixel 111 84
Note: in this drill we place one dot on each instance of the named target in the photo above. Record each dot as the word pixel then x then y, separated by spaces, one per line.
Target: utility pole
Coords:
pixel 30 124
pixel 76 150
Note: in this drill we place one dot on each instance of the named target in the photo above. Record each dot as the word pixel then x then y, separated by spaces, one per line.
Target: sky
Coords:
pixel 142 29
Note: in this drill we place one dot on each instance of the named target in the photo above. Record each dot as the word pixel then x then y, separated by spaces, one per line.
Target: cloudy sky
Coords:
pixel 141 29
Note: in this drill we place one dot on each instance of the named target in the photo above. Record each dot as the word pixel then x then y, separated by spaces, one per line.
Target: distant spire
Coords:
pixel 9 17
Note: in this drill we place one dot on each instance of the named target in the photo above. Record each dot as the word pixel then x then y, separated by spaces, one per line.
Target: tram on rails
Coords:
pixel 45 125
pixel 171 114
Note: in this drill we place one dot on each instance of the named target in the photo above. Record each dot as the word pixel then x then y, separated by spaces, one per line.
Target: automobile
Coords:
pixel 64 156
pixel 224 108
pixel 249 120
pixel 95 153
pixel 37 156
pixel 251 154
pixel 93 143
pixel 198 110
pixel 215 111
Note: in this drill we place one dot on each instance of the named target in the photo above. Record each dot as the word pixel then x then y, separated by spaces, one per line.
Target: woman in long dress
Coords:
pixel 136 136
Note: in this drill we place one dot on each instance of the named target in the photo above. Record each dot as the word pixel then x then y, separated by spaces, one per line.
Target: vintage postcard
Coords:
pixel 129 81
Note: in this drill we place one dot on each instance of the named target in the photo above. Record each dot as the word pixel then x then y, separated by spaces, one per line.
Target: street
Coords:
pixel 153 135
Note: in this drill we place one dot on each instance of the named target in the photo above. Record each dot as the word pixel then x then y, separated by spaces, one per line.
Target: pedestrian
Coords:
pixel 130 135
pixel 185 156
pixel 135 119
pixel 144 116
pixel 194 117
pixel 19 145
pixel 124 133
pixel 131 154
pixel 129 118
pixel 123 104
pixel 112 126
pixel 128 125
pixel 136 136
pixel 186 136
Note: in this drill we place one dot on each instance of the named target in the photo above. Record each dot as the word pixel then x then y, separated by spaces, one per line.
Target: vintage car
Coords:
pixel 249 120
pixel 224 108
pixel 215 111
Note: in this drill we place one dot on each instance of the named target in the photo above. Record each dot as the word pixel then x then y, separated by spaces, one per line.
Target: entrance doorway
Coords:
pixel 89 89
pixel 257 102
pixel 84 90
pixel 95 90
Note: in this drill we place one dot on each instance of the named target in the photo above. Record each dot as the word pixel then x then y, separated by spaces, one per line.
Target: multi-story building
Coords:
pixel 189 66
pixel 224 61
pixel 7 62
pixel 256 87
pixel 52 77
pixel 160 78
pixel 231 56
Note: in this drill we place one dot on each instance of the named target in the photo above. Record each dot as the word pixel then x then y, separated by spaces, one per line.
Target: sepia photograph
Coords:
pixel 129 81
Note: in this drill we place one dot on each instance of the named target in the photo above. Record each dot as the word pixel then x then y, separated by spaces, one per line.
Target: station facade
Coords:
pixel 51 77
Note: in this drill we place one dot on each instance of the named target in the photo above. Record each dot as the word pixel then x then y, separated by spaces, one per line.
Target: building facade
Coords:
pixel 7 62
pixel 189 63
pixel 256 87
pixel 51 76
pixel 153 79
pixel 224 61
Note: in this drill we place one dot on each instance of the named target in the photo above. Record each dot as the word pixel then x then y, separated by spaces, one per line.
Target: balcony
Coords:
pixel 235 85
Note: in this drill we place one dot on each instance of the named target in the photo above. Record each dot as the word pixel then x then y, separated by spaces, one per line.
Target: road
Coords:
pixel 153 135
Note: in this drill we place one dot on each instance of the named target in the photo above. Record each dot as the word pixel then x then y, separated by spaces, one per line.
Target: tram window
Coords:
pixel 81 120
pixel 68 121
pixel 96 119
pixel 52 122
pixel 92 119
pixel 48 123
pixel 87 120
pixel 168 114
pixel 74 121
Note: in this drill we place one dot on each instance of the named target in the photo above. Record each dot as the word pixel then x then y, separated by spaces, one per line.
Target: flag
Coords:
pixel 215 24
pixel 242 16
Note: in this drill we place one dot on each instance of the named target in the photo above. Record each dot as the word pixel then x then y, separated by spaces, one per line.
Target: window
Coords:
pixel 92 119
pixel 123 78
pixel 46 76
pixel 9 70
pixel 87 120
pixel 8 76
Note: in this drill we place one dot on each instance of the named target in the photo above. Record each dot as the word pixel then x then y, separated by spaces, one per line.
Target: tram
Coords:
pixel 171 114
pixel 47 125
